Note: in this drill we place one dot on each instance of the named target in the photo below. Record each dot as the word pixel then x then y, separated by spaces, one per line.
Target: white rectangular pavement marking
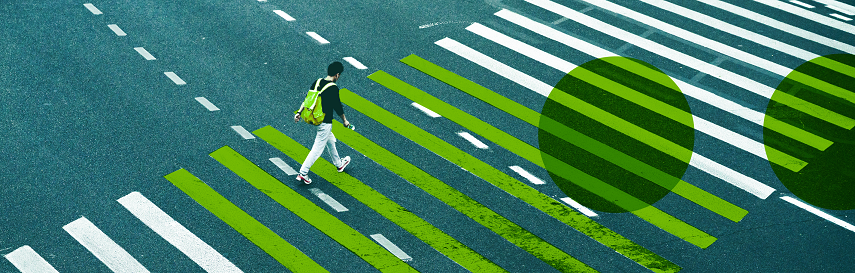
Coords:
pixel 522 172
pixel 172 76
pixel 803 4
pixel 841 17
pixel 819 18
pixel 176 234
pixel 283 166
pixel 115 28
pixel 328 199
pixel 819 213
pixel 284 15
pixel 26 260
pixel 145 53
pixel 841 10
pixel 207 104
pixel 105 249
pixel 391 247
pixel 473 140
pixel 243 132
pixel 586 211
pixel 355 63
pixel 424 109
pixel 317 37
pixel 92 8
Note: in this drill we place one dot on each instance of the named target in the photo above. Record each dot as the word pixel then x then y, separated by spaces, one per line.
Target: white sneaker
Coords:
pixel 344 162
pixel 304 178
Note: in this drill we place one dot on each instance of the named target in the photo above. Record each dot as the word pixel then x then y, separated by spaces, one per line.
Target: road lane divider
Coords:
pixel 328 199
pixel 145 53
pixel 174 77
pixel 208 105
pixel 531 178
pixel 317 37
pixel 93 9
pixel 391 247
pixel 243 132
pixel 284 15
pixel 115 28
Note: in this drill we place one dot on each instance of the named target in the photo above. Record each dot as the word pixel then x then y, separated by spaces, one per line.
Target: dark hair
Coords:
pixel 335 68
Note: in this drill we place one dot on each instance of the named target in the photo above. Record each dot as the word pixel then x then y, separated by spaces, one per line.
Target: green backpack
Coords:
pixel 312 112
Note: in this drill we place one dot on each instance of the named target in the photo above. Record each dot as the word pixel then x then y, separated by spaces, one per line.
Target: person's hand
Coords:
pixel 296 118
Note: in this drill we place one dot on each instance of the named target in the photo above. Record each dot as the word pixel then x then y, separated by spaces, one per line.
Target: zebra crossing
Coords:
pixel 382 254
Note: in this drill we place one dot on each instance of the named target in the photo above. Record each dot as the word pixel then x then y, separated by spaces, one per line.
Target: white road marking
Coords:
pixel 145 53
pixel 803 4
pixel 328 199
pixel 207 104
pixel 92 8
pixel 243 132
pixel 105 249
pixel 115 28
pixel 317 37
pixel 283 166
pixel 819 213
pixel 284 15
pixel 586 211
pixel 819 18
pixel 355 63
pixel 391 247
pixel 26 260
pixel 473 140
pixel 172 76
pixel 425 110
pixel 849 9
pixel 841 10
pixel 841 17
pixel 522 172
pixel 173 232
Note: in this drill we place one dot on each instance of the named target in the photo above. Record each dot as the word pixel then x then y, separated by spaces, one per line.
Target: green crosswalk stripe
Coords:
pixel 434 237
pixel 512 232
pixel 345 235
pixel 682 188
pixel 510 185
pixel 285 253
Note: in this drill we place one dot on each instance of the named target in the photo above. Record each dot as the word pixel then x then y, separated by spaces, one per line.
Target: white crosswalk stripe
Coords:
pixel 26 260
pixel 808 15
pixel 105 249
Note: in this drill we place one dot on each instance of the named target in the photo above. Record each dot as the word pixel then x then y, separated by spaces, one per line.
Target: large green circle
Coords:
pixel 597 89
pixel 828 180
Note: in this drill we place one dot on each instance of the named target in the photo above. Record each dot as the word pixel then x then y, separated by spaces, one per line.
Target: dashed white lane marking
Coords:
pixel 803 4
pixel 105 249
pixel 424 109
pixel 816 17
pixel 391 247
pixel 283 166
pixel 841 10
pixel 145 53
pixel 243 132
pixel 355 63
pixel 819 213
pixel 207 104
pixel 841 17
pixel 172 76
pixel 176 234
pixel 586 211
pixel 522 172
pixel 328 199
pixel 317 37
pixel 473 140
pixel 115 28
pixel 26 260
pixel 92 8
pixel 284 15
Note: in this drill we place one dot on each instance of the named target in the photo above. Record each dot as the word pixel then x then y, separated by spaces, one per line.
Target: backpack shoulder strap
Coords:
pixel 328 85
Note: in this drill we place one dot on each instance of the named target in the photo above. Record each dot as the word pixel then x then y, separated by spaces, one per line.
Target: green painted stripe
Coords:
pixel 512 186
pixel 624 200
pixel 835 66
pixel 436 238
pixel 345 235
pixel 822 86
pixel 813 110
pixel 684 189
pixel 285 253
pixel 512 232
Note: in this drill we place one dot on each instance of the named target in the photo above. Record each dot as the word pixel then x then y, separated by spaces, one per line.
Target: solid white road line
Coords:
pixel 207 104
pixel 819 18
pixel 841 17
pixel 522 172
pixel 173 232
pixel 841 10
pixel 328 199
pixel 425 110
pixel 781 25
pixel 819 213
pixel 117 30
pixel 145 53
pixel 803 4
pixel 172 76
pixel 473 140
pixel 243 132
pixel 284 15
pixel 355 63
pixel 283 166
pixel 317 37
pixel 105 249
pixel 92 8
pixel 26 260
pixel 391 247
pixel 586 211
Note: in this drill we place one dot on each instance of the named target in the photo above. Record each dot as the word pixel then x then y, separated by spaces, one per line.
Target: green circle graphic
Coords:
pixel 623 88
pixel 828 179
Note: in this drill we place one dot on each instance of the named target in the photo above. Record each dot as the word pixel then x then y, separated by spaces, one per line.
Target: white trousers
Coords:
pixel 323 139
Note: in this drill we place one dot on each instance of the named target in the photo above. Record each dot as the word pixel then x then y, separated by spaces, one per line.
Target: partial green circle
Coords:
pixel 828 180
pixel 597 83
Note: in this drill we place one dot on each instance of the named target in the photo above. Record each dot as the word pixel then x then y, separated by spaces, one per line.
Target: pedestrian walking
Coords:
pixel 330 103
